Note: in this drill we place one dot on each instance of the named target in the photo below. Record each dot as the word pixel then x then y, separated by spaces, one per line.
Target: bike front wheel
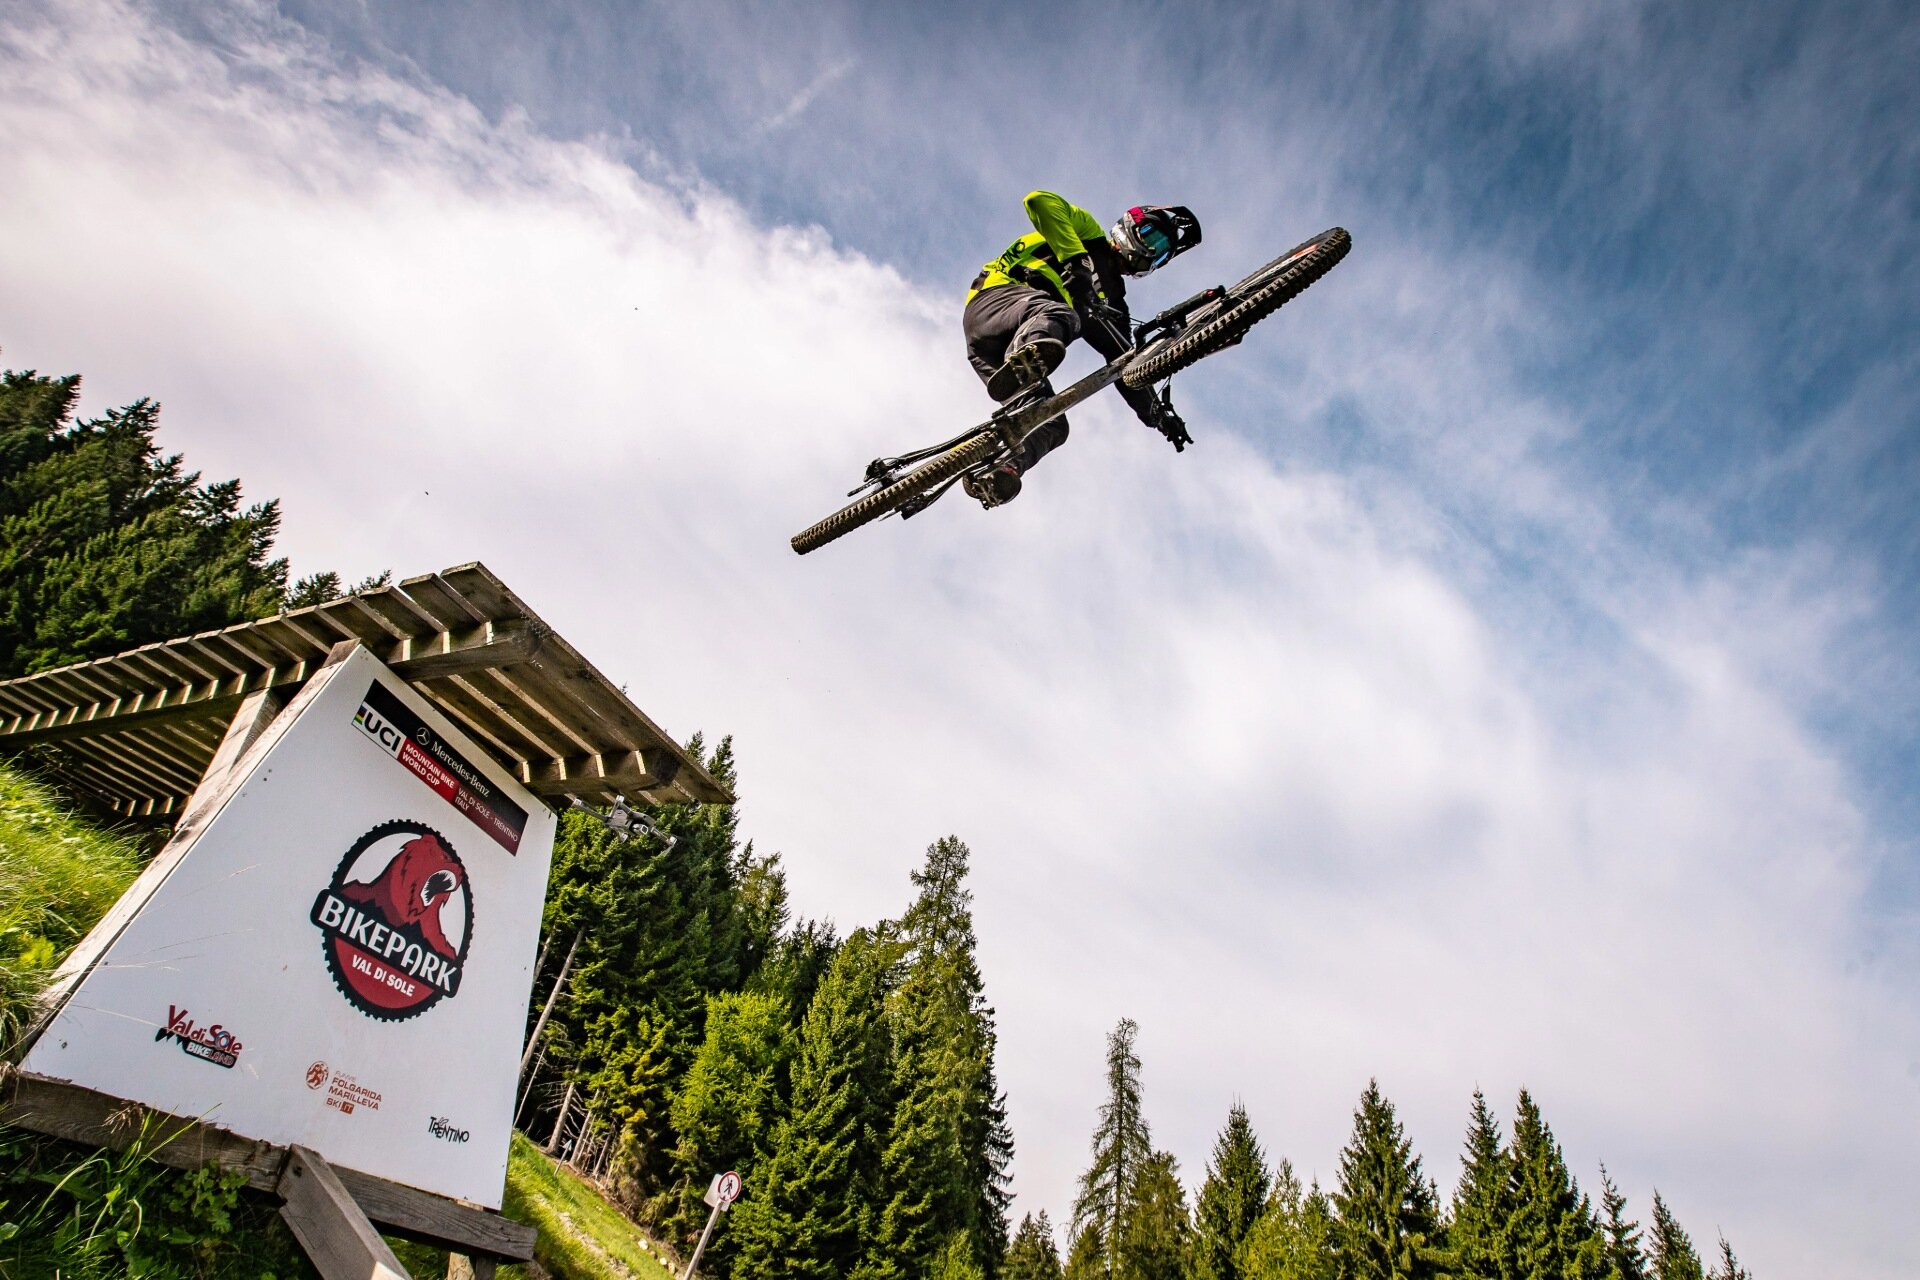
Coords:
pixel 1249 302
pixel 974 449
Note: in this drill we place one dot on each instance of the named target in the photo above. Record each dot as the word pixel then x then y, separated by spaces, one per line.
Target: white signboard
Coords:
pixel 343 958
pixel 723 1190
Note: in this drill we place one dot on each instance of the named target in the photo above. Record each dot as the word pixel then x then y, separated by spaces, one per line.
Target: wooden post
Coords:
pixel 330 1226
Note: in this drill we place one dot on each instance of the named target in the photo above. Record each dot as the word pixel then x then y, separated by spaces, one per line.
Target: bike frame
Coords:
pixel 1013 426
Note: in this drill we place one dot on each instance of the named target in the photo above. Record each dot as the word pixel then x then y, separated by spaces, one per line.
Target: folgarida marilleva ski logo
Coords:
pixel 397 921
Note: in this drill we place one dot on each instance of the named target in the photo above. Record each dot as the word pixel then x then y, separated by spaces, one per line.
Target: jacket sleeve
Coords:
pixel 1054 218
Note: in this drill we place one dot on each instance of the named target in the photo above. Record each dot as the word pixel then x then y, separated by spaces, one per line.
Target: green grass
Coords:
pixel 57 876
pixel 582 1237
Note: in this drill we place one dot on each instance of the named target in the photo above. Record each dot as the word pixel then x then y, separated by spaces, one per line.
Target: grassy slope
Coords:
pixel 581 1235
pixel 58 875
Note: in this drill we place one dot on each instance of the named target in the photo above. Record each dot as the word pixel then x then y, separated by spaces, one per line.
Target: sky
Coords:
pixel 1512 687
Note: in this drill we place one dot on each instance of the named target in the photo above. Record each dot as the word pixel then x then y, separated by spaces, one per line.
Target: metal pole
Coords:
pixel 701 1248
pixel 547 1012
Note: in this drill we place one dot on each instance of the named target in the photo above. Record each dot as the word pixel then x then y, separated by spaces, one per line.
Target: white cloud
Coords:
pixel 1243 750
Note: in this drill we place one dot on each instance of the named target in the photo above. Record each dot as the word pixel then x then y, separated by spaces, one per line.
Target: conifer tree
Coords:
pixel 1625 1260
pixel 1551 1232
pixel 1121 1146
pixel 1728 1268
pixel 1482 1202
pixel 1230 1200
pixel 1155 1231
pixel 1387 1210
pixel 105 544
pixel 1670 1253
pixel 944 1168
pixel 1087 1259
pixel 1293 1239
pixel 807 1216
pixel 665 921
pixel 1033 1254
pixel 725 1106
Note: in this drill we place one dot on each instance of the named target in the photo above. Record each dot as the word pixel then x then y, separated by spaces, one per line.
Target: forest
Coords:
pixel 686 1022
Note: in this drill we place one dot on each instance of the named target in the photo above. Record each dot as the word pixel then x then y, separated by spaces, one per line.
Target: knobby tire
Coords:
pixel 1258 297
pixel 978 448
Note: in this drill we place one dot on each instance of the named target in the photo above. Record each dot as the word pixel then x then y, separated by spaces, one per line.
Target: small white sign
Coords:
pixel 723 1190
pixel 343 957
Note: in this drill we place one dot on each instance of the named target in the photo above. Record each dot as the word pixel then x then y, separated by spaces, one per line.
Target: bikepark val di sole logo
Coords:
pixel 397 921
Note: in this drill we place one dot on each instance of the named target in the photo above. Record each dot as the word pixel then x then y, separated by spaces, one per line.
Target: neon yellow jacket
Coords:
pixel 1061 233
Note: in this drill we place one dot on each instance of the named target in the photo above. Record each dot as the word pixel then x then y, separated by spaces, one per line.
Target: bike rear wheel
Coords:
pixel 1253 300
pixel 975 449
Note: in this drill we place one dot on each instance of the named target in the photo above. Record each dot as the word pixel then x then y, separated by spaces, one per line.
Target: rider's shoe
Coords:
pixel 993 488
pixel 1026 366
pixel 1172 426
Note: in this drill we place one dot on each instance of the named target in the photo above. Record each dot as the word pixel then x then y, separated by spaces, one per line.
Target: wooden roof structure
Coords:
pixel 136 731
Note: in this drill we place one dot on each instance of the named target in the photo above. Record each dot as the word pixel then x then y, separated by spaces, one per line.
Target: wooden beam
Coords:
pixel 336 1235
pixel 624 771
pixel 436 1220
pixel 448 653
pixel 155 708
pixel 86 1116
pixel 76 1114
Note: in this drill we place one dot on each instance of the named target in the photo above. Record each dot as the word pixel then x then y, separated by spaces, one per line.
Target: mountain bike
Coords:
pixel 1211 320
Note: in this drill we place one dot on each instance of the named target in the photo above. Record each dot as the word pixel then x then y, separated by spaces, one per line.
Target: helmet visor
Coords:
pixel 1157 243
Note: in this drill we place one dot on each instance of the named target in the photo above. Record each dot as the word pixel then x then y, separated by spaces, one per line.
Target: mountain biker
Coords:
pixel 1065 279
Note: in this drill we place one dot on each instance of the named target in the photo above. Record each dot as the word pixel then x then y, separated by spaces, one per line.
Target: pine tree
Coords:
pixel 105 544
pixel 807 1216
pixel 1728 1268
pixel 1387 1211
pixel 665 921
pixel 1294 1236
pixel 1230 1200
pixel 1032 1255
pixel 944 1168
pixel 1482 1202
pixel 1551 1232
pixel 1155 1232
pixel 1121 1146
pixel 1087 1259
pixel 1625 1260
pixel 725 1106
pixel 1670 1254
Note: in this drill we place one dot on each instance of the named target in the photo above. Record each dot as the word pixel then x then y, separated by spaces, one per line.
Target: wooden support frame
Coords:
pixel 82 1115
pixel 328 1224
pixel 330 1210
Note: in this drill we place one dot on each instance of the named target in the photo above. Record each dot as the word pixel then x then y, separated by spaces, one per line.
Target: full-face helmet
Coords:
pixel 1147 237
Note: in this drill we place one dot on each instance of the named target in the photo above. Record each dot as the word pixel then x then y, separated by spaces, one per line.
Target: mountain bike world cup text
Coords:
pixel 395 728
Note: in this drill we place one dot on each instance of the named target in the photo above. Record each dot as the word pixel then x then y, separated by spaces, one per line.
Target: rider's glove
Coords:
pixel 1078 276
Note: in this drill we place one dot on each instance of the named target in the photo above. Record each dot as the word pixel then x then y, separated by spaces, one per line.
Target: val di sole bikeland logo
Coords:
pixel 397 921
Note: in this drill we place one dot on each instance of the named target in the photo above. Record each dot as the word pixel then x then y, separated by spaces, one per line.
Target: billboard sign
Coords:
pixel 343 957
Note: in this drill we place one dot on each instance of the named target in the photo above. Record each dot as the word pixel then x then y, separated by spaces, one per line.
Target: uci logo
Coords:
pixel 376 726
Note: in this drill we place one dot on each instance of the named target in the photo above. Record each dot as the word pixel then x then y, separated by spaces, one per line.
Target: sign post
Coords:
pixel 721 1193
